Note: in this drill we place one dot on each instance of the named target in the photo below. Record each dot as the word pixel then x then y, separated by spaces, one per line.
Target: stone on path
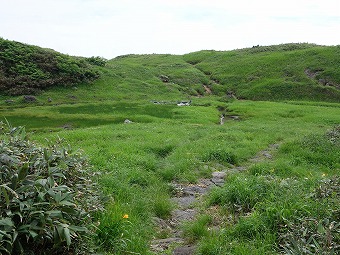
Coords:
pixel 184 202
pixel 161 245
pixel 184 250
pixel 183 215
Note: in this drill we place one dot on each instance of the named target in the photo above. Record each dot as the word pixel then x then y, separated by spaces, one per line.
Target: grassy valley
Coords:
pixel 278 147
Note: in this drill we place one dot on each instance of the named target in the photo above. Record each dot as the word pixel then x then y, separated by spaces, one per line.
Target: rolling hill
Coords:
pixel 279 72
pixel 262 132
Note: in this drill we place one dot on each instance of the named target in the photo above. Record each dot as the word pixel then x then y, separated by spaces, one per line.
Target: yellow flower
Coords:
pixel 125 216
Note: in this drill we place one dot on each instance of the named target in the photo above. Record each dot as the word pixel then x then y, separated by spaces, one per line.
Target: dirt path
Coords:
pixel 188 198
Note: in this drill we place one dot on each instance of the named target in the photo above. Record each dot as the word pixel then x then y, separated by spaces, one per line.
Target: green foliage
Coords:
pixel 98 61
pixel 194 231
pixel 221 156
pixel 312 237
pixel 334 135
pixel 46 197
pixel 291 214
pixel 167 143
pixel 241 193
pixel 313 234
pixel 113 231
pixel 26 69
pixel 162 207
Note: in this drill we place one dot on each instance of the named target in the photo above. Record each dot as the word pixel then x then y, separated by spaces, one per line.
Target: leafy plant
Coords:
pixel 311 236
pixel 46 196
pixel 334 135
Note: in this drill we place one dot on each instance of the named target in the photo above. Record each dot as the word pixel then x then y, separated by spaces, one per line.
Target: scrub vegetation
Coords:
pixel 26 69
pixel 287 203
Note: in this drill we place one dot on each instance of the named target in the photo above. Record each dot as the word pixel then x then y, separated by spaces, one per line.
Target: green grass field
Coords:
pixel 137 162
pixel 280 205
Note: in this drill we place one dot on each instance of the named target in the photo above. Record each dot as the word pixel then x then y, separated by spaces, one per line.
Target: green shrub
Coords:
pixel 334 135
pixel 98 61
pixel 162 207
pixel 162 151
pixel 242 193
pixel 318 232
pixel 311 236
pixel 250 227
pixel 194 231
pixel 221 156
pixel 28 69
pixel 46 197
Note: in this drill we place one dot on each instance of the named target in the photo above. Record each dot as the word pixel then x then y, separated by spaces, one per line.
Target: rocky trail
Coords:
pixel 188 199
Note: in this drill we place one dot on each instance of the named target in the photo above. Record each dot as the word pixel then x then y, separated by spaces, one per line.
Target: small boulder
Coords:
pixel 29 99
pixel 127 121
pixel 184 250
pixel 323 81
pixel 164 78
pixel 73 97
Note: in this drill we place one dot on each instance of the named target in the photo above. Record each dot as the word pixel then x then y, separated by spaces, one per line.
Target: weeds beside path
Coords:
pixel 189 201
pixel 250 214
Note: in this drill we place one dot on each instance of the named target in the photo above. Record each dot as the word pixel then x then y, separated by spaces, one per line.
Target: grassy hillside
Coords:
pixel 288 71
pixel 280 155
pixel 280 72
pixel 157 74
pixel 27 69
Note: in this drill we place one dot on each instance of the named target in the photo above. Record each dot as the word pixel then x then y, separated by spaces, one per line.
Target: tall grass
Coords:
pixel 263 210
pixel 138 160
pixel 297 209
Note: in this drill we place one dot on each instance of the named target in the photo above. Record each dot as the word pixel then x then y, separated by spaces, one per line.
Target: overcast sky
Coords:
pixel 110 28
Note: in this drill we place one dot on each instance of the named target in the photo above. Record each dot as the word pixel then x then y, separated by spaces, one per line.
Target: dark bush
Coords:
pixel 98 61
pixel 315 234
pixel 46 197
pixel 26 69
